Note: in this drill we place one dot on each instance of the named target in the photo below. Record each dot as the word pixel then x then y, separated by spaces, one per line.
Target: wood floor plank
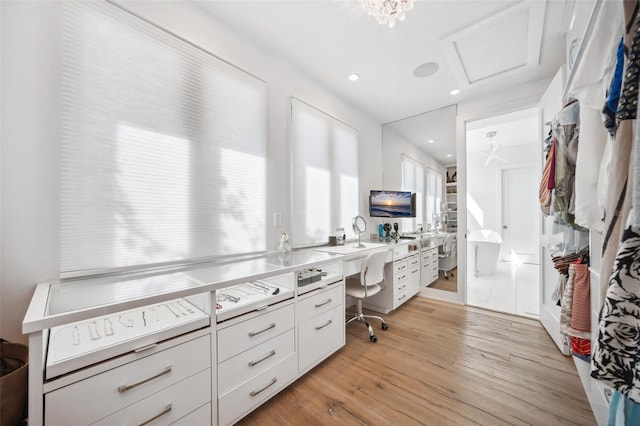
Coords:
pixel 438 364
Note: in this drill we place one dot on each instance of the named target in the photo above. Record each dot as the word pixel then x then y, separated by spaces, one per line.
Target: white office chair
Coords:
pixel 368 283
pixel 445 253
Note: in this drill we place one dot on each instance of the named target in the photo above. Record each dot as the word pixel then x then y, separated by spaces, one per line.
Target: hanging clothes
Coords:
pixel 590 85
pixel 547 182
pixel 619 188
pixel 575 319
pixel 616 355
pixel 623 411
pixel 565 128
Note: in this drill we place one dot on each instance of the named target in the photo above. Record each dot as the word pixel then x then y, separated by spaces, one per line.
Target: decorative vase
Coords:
pixel 284 248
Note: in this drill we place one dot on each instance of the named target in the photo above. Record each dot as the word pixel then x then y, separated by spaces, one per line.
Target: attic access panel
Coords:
pixel 506 43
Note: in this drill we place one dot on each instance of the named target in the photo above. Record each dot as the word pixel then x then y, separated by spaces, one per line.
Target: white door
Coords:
pixel 550 104
pixel 519 212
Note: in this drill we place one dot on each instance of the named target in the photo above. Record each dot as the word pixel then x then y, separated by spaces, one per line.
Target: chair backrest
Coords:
pixel 372 272
pixel 446 244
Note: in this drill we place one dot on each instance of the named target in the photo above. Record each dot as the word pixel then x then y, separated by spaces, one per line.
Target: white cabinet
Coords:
pixel 402 279
pixel 581 13
pixel 141 389
pixel 429 262
pixel 256 358
pixel 321 328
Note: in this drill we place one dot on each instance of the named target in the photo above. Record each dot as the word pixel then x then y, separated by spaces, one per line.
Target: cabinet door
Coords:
pixel 319 337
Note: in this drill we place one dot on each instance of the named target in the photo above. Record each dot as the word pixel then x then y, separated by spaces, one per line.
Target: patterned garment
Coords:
pixel 616 356
pixel 580 346
pixel 581 309
pixel 618 203
pixel 567 303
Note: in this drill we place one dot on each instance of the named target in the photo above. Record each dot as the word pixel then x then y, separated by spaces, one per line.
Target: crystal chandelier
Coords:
pixel 388 11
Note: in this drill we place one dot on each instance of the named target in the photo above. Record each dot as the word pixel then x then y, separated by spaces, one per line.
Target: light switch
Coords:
pixel 277 219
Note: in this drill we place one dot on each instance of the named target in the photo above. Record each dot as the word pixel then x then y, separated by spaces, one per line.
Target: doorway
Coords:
pixel 502 213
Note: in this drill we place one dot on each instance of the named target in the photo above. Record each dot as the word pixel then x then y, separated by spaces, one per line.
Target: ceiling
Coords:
pixel 481 47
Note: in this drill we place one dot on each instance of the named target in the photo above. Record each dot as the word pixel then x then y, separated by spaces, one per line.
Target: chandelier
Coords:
pixel 388 11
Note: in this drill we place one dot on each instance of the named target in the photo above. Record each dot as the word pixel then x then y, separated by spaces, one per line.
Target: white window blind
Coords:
pixel 413 180
pixel 434 194
pixel 324 175
pixel 163 147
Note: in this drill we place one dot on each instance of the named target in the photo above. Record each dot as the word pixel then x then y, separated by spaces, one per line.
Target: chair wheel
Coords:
pixel 373 338
pixel 385 326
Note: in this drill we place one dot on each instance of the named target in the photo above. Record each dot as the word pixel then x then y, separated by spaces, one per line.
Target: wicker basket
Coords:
pixel 14 364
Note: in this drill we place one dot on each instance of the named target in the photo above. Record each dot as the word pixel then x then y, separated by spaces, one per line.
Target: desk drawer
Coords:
pixel 413 261
pixel 242 367
pixel 319 302
pixel 245 398
pixel 400 297
pixel 399 268
pixel 92 399
pixel 319 337
pixel 168 405
pixel 200 416
pixel 239 337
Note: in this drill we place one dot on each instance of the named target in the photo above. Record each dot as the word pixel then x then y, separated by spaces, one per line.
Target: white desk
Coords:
pixel 102 302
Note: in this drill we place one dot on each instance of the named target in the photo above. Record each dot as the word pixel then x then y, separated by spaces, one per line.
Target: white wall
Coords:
pixel 484 184
pixel 30 81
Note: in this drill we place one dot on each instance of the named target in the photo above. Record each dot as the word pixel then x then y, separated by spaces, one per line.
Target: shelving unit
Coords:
pixel 451 198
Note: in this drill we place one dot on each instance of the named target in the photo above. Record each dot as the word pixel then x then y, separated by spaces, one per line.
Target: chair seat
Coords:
pixel 355 289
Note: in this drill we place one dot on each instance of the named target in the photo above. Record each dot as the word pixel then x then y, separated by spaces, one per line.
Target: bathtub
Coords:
pixel 484 246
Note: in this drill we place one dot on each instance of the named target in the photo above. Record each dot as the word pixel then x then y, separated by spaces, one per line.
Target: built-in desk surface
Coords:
pixel 74 300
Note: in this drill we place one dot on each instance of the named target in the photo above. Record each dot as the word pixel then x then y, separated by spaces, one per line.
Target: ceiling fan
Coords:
pixel 493 150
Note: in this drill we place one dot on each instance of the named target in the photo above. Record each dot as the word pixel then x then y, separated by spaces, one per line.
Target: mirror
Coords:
pixel 419 154
pixel 359 227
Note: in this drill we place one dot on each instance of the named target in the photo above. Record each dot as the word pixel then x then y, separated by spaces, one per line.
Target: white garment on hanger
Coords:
pixel 590 85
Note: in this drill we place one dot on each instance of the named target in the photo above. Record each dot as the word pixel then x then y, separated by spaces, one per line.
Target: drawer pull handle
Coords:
pixel 320 327
pixel 252 363
pixel 323 303
pixel 403 296
pixel 123 389
pixel 255 333
pixel 273 382
pixel 166 410
pixel 403 287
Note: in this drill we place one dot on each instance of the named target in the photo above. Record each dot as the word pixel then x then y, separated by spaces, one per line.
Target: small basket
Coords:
pixel 14 365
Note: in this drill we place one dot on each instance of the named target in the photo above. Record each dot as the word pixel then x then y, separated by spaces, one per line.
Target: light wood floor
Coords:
pixel 450 284
pixel 438 364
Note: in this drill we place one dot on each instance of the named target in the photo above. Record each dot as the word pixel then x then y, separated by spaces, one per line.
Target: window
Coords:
pixel 434 195
pixel 413 180
pixel 324 175
pixel 163 154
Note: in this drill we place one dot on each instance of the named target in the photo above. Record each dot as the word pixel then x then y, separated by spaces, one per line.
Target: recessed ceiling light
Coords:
pixel 354 76
pixel 431 140
pixel 426 69
pixel 454 92
pixel 449 155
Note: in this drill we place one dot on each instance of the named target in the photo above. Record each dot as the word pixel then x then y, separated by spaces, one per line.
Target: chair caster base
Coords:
pixel 385 327
pixel 373 338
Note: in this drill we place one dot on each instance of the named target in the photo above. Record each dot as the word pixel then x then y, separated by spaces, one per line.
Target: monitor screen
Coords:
pixel 390 204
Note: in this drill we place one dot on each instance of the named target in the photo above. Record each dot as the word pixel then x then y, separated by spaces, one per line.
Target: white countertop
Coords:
pixel 63 302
